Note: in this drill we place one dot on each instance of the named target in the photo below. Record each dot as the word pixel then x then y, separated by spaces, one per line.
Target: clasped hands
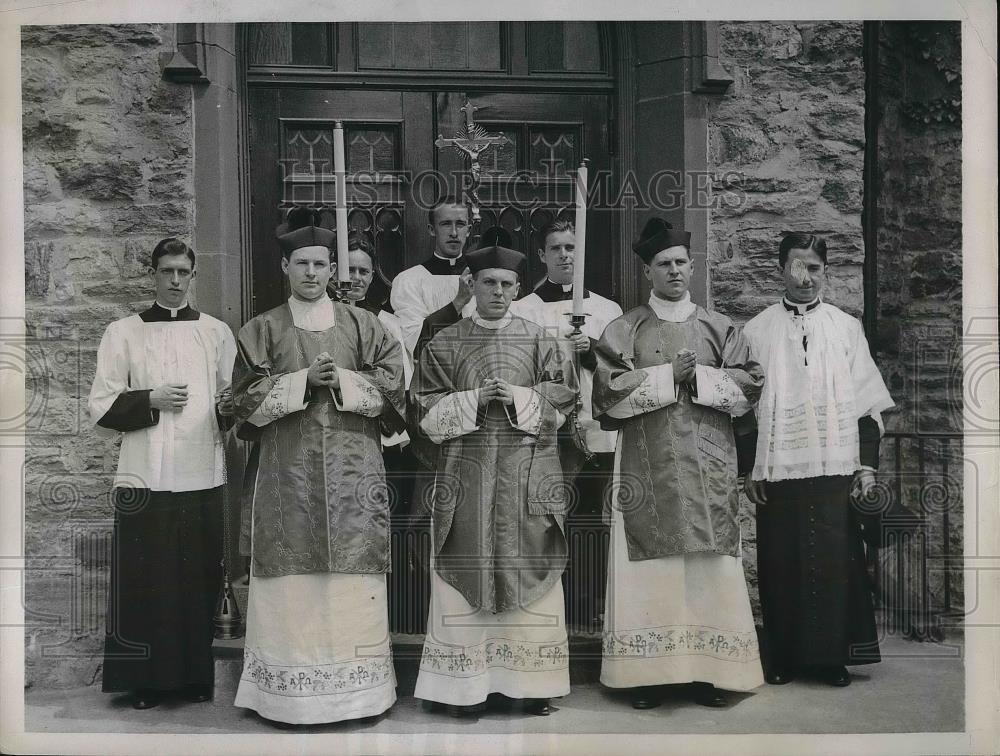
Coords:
pixel 323 372
pixel 684 366
pixel 494 389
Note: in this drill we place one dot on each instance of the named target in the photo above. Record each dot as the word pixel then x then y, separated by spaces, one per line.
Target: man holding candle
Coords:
pixel 671 376
pixel 491 391
pixel 314 381
pixel 550 306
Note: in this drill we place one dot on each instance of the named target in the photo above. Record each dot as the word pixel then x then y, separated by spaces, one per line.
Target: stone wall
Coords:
pixel 919 326
pixel 108 171
pixel 786 145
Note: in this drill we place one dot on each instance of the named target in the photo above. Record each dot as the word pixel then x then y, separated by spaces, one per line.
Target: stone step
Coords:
pixel 584 661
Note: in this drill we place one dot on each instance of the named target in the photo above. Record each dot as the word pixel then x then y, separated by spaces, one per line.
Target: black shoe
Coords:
pixel 538 706
pixel 460 711
pixel 838 677
pixel 645 697
pixel 778 677
pixel 707 694
pixel 198 693
pixel 145 699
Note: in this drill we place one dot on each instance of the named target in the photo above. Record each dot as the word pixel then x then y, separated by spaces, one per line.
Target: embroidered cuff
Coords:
pixel 285 397
pixel 356 395
pixel 717 389
pixel 656 390
pixel 454 415
pixel 526 412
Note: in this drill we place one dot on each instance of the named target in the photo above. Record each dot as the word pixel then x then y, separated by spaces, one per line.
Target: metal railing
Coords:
pixel 919 500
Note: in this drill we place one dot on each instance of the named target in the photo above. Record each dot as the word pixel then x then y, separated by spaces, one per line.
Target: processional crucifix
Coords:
pixel 472 144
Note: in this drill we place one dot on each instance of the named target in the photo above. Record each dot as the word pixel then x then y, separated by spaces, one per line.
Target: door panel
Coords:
pixel 391 155
pixel 551 134
pixel 387 138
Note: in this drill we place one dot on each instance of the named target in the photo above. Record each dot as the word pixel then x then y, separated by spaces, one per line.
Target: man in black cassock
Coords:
pixel 819 422
pixel 161 377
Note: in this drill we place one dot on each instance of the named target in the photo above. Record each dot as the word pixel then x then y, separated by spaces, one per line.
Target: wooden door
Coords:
pixel 395 172
pixel 388 138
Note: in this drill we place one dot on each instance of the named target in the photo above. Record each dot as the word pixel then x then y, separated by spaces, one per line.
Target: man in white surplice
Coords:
pixel 160 374
pixel 428 286
pixel 550 306
pixel 670 377
pixel 820 425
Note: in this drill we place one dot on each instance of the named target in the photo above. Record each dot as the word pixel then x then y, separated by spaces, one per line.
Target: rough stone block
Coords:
pixel 41 182
pixel 108 179
pixel 37 266
pixel 49 128
pixel 835 42
pixel 136 290
pixel 761 40
pixel 844 194
pixel 740 144
pixel 69 216
pixel 94 35
pixel 935 274
pixel 42 78
pixel 169 218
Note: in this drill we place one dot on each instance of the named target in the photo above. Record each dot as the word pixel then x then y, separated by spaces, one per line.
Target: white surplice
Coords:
pixel 416 293
pixel 808 413
pixel 554 318
pixel 183 451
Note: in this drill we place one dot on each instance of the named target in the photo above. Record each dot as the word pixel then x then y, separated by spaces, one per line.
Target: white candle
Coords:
pixel 581 237
pixel 340 174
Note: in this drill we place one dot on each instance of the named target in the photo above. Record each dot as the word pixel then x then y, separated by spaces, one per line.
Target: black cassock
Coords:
pixel 167 545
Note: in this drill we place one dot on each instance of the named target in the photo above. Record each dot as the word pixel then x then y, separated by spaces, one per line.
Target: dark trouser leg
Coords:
pixel 409 580
pixel 587 536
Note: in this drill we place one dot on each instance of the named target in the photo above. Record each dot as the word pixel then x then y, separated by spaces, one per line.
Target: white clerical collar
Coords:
pixel 675 312
pixel 316 315
pixel 801 308
pixel 450 260
pixel 565 287
pixel 493 325
pixel 172 310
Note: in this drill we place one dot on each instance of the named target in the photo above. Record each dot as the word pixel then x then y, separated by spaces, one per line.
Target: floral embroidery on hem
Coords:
pixel 681 640
pixel 519 656
pixel 313 679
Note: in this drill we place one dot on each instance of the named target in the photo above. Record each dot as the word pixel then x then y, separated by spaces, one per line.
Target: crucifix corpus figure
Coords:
pixel 472 143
